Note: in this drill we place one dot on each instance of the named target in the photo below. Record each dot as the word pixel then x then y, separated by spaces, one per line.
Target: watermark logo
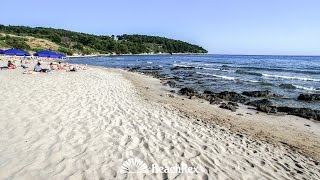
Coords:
pixel 134 165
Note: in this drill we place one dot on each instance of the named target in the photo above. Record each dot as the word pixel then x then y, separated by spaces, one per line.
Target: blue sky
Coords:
pixel 221 26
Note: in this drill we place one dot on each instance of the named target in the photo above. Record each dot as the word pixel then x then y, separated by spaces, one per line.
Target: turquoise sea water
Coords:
pixel 287 76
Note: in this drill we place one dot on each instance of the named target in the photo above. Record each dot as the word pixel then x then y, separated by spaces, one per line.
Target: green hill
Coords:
pixel 69 42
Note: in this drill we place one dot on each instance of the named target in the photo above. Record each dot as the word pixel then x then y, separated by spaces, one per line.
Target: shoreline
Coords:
pixel 86 124
pixel 292 131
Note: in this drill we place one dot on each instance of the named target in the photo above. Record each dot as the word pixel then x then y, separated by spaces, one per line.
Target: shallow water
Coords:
pixel 287 76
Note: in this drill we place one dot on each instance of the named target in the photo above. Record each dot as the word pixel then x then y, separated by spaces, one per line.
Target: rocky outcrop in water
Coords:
pixel 264 102
pixel 266 105
pixel 301 112
pixel 287 86
pixel 266 93
pixel 309 97
pixel 154 74
pixel 263 105
pixel 232 96
pixel 225 95
pixel 151 71
pixel 172 84
pixel 187 91
pixel 182 67
pixel 134 69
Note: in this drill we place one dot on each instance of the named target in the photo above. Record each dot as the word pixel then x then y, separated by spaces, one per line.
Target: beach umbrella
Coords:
pixel 49 54
pixel 15 52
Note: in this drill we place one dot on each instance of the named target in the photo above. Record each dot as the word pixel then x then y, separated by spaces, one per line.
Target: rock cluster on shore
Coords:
pixel 228 99
pixel 154 72
pixel 309 97
pixel 263 105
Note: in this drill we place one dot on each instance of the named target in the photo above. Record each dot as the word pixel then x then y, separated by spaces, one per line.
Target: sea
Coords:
pixel 286 76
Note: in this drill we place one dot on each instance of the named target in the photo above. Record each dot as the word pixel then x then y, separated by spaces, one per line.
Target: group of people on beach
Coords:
pixel 53 65
pixel 12 65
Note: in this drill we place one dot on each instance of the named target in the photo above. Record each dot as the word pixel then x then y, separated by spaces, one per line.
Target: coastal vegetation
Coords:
pixel 70 42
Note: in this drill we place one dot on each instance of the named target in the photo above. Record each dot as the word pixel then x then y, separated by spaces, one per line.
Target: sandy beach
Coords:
pixel 86 124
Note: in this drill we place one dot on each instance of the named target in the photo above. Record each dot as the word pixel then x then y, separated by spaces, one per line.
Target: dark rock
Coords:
pixel 233 104
pixel 267 109
pixel 173 91
pixel 256 103
pixel 134 69
pixel 208 92
pixel 154 74
pixel 266 93
pixel 217 98
pixel 309 97
pixel 172 84
pixel 187 91
pixel 301 112
pixel 287 86
pixel 232 96
pixel 182 67
pixel 263 105
pixel 228 106
pixel 205 97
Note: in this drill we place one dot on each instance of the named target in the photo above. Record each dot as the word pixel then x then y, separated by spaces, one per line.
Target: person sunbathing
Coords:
pixel 72 69
pixel 52 66
pixel 60 67
pixel 38 68
pixel 11 65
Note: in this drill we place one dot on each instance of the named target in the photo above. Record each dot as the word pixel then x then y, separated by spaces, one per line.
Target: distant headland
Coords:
pixel 33 39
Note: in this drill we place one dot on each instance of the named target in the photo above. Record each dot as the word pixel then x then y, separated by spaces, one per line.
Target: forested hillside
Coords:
pixel 69 42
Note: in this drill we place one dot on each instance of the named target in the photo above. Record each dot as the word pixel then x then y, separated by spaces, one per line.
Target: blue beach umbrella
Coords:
pixel 49 54
pixel 15 52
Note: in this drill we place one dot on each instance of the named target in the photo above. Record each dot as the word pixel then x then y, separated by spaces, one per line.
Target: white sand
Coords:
pixel 86 124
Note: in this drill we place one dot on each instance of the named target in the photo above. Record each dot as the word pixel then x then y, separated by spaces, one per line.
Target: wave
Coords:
pixel 229 78
pixel 181 65
pixel 252 81
pixel 290 77
pixel 247 72
pixel 307 88
pixel 293 86
pixel 272 69
pixel 218 76
pixel 214 69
